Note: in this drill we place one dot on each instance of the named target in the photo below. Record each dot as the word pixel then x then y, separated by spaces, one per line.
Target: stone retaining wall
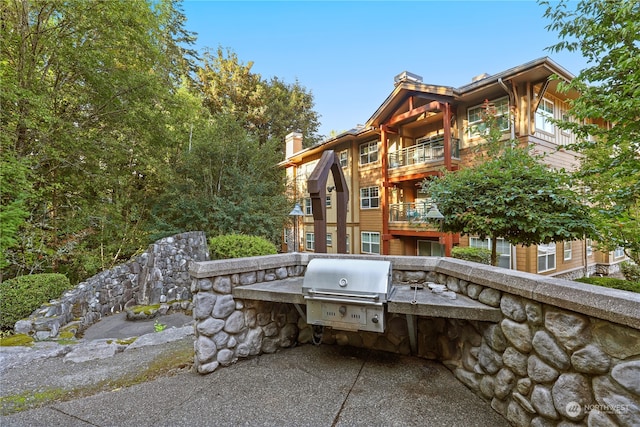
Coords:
pixel 564 353
pixel 158 275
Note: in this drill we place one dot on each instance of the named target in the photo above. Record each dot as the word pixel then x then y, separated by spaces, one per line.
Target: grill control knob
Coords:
pixel 343 310
pixel 343 282
pixel 375 319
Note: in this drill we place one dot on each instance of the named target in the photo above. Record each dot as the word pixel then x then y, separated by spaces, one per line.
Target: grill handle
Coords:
pixel 344 300
pixel 342 294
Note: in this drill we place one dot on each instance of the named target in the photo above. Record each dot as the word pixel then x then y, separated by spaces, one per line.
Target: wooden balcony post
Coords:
pixel 383 191
pixel 446 125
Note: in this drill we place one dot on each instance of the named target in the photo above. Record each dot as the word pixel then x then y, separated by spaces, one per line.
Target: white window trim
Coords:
pixel 369 145
pixel 370 198
pixel 548 253
pixel 568 250
pixel 310 241
pixel 329 239
pixel 471 124
pixel 543 115
pixel 476 242
pixel 618 252
pixel 369 234
pixel 343 157
pixel 308 208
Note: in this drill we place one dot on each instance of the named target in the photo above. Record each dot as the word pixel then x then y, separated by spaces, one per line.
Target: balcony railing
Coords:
pixel 409 212
pixel 423 152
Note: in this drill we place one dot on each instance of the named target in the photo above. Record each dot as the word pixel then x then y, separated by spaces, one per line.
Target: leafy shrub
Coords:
pixel 480 255
pixel 239 246
pixel 612 282
pixel 20 296
pixel 630 271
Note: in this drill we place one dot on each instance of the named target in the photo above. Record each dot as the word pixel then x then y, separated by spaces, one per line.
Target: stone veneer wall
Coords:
pixel 159 274
pixel 564 353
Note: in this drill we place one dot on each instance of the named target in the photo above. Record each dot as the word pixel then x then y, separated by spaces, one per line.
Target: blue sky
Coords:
pixel 347 53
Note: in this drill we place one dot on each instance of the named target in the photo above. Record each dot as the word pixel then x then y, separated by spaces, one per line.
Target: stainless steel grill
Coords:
pixel 347 294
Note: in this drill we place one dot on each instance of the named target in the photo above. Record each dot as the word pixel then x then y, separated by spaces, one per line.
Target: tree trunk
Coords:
pixel 494 251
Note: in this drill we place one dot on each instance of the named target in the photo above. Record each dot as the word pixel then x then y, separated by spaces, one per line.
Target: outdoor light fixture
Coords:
pixel 330 189
pixel 434 213
pixel 296 213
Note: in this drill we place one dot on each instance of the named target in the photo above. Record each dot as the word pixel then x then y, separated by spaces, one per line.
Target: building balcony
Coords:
pixel 423 153
pixel 413 212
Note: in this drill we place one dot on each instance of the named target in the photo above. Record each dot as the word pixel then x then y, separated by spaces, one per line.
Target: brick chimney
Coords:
pixel 293 143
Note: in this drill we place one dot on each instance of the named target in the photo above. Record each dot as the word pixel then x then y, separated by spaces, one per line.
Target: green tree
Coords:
pixel 87 107
pixel 225 182
pixel 268 109
pixel 510 195
pixel 605 117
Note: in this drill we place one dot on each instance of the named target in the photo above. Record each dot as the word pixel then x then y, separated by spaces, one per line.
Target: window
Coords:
pixel 329 201
pixel 369 152
pixel 619 252
pixel 503 248
pixel 546 257
pixel 370 242
pixel 475 115
pixel 310 241
pixel 329 239
pixel 369 198
pixel 344 158
pixel 589 247
pixel 543 115
pixel 307 206
pixel 568 251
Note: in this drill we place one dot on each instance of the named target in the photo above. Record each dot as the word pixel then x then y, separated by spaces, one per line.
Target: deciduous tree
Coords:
pixel 605 117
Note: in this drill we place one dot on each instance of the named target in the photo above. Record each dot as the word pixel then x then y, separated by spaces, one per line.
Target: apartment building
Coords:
pixel 419 130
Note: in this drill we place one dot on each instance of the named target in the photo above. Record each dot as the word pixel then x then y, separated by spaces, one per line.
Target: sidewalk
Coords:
pixel 303 386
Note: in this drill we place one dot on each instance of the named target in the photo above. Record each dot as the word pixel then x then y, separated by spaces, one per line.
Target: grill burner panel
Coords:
pixel 347 294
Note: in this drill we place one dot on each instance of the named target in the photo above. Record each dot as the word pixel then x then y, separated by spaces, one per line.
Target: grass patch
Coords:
pixel 168 363
pixel 611 282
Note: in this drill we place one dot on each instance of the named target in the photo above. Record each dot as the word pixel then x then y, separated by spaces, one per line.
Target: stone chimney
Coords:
pixel 293 143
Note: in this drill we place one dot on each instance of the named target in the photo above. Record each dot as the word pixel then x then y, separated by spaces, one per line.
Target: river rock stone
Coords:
pixel 489 360
pixel 542 402
pixel 203 305
pixel 226 357
pixel 487 386
pixel 235 322
pixel 523 386
pixel 534 313
pixel 469 379
pixel 473 290
pixel 539 371
pixel 490 297
pixel 512 307
pixel 210 326
pixel 515 360
pixel 617 341
pixel 205 349
pixel 288 335
pixel 248 278
pixel 281 272
pixel 522 401
pixel 270 329
pixel 572 330
pixel 571 389
pixel 550 351
pixel 598 418
pixel 224 306
pixel 221 339
pixel 590 360
pixel 618 403
pixel 207 368
pixel 627 374
pixel 222 284
pixel 517 415
pixel 504 383
pixel 205 284
pixel 541 422
pixel 518 334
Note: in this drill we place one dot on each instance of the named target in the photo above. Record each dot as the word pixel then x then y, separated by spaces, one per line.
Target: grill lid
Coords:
pixel 356 278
